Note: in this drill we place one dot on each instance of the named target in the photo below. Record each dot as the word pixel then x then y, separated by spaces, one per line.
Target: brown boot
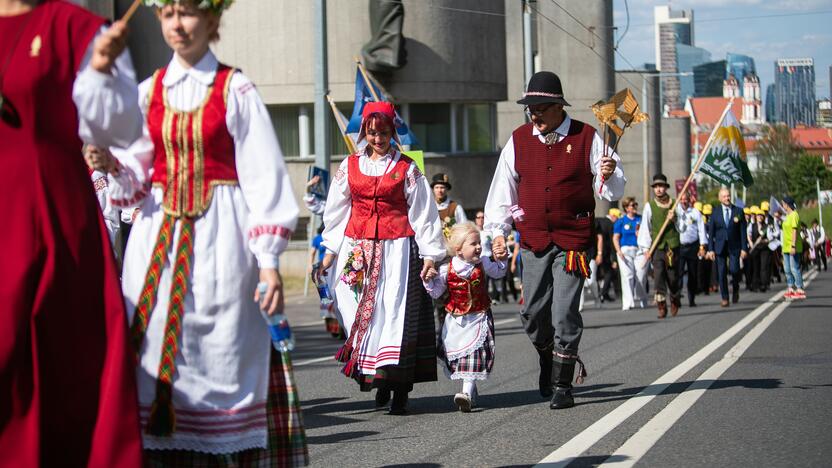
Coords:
pixel 675 304
pixel 662 309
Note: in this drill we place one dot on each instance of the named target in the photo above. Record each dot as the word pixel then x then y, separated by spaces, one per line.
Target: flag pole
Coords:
pixel 131 10
pixel 366 78
pixel 342 126
pixel 699 161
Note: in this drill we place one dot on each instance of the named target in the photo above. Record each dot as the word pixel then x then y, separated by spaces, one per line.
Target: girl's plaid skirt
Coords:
pixel 475 366
pixel 287 438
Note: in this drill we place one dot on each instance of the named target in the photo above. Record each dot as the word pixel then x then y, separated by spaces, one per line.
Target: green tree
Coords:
pixel 803 174
pixel 777 153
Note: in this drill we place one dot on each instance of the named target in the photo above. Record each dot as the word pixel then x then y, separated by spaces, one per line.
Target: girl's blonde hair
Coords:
pixel 458 234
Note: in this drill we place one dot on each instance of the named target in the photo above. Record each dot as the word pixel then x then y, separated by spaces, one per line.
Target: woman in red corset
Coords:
pixel 216 212
pixel 67 389
pixel 382 233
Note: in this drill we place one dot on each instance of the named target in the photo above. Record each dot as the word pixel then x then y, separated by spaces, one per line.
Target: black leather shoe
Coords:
pixel 562 398
pixel 691 303
pixel 382 397
pixel 736 297
pixel 399 405
pixel 544 380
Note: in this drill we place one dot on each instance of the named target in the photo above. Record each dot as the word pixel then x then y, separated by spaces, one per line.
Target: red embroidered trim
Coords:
pixel 339 175
pixel 100 184
pixel 271 229
pixel 121 203
pixel 245 88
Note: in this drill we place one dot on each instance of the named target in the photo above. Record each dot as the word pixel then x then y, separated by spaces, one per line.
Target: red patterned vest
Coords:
pixel 193 151
pixel 555 189
pixel 467 295
pixel 379 207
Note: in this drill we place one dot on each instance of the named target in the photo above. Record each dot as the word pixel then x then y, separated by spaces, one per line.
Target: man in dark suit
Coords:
pixel 727 244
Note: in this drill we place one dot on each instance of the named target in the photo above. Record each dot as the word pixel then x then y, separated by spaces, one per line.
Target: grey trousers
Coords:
pixel 551 295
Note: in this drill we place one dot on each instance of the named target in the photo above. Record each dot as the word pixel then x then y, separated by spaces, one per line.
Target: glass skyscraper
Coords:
pixel 794 91
pixel 771 104
pixel 739 65
pixel 687 58
pixel 708 78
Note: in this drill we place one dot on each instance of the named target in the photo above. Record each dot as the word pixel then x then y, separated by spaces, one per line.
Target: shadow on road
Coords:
pixel 596 397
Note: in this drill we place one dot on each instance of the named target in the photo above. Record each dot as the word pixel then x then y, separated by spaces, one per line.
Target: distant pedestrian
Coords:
pixel 630 257
pixel 694 241
pixel 467 337
pixel 606 258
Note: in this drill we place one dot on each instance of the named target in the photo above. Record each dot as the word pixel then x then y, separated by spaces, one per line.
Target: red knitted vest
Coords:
pixel 555 189
pixel 379 207
pixel 193 151
pixel 467 295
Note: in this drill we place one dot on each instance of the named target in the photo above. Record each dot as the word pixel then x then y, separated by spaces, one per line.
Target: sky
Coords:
pixel 793 29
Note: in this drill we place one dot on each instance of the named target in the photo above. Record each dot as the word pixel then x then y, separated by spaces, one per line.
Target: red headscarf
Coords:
pixel 385 110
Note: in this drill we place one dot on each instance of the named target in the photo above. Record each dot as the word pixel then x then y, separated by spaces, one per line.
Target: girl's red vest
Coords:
pixel 467 295
pixel 379 206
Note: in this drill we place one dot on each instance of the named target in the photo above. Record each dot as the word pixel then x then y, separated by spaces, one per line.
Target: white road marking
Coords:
pixel 313 361
pixel 598 430
pixel 505 321
pixel 642 441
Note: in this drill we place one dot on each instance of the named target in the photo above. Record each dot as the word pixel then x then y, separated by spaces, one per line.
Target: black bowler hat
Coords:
pixel 660 179
pixel 543 87
pixel 441 178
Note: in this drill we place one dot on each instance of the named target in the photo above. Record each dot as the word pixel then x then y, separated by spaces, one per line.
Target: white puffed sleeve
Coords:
pixel 437 286
pixel 338 208
pixel 494 268
pixel 108 114
pixel 132 184
pixel 262 173
pixel 423 215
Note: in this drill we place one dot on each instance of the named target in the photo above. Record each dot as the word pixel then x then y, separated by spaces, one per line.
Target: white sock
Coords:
pixel 468 386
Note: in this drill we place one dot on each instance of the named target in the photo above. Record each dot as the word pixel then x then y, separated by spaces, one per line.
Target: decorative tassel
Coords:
pixel 670 258
pixel 349 368
pixel 162 420
pixel 343 353
pixel 582 374
pixel 576 262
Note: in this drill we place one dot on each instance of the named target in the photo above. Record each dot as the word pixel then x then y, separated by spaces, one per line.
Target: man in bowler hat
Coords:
pixel 546 181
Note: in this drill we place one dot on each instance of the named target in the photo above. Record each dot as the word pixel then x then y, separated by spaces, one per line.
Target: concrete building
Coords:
pixel 672 27
pixel 794 81
pixel 824 113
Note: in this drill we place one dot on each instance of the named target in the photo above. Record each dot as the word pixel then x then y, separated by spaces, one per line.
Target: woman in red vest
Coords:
pixel 216 212
pixel 67 389
pixel 382 224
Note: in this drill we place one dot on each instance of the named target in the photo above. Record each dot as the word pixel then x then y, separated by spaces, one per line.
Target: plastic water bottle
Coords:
pixel 321 284
pixel 281 334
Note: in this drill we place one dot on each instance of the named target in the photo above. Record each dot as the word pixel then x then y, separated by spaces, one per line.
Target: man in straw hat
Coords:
pixel 544 183
pixel 666 259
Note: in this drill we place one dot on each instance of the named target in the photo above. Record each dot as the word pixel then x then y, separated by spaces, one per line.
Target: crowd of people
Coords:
pixel 166 360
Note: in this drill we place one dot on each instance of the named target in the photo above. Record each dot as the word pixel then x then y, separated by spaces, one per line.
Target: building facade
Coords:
pixel 708 79
pixel 824 113
pixel 739 66
pixel 771 103
pixel 672 27
pixel 687 59
pixel 794 80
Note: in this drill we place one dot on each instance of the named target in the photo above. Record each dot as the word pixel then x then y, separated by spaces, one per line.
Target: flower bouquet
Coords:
pixel 353 273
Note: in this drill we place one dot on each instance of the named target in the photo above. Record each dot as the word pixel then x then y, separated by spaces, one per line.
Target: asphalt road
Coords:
pixel 750 385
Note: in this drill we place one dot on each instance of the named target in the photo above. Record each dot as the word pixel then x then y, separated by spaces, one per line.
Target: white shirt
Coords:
pixel 108 114
pixel 503 192
pixel 645 235
pixel 459 213
pixel 261 171
pixel 437 286
pixel 691 217
pixel 420 214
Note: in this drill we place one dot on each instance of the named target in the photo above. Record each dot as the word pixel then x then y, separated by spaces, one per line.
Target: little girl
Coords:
pixel 467 344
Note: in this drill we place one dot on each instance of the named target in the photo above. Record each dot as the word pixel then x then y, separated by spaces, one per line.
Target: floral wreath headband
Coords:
pixel 217 6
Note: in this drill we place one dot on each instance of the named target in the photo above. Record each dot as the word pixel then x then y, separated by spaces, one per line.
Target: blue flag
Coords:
pixel 363 95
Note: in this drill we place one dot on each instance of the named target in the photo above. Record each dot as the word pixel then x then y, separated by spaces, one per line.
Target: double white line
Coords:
pixel 638 445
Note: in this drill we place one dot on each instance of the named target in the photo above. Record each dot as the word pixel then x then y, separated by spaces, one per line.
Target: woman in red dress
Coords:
pixel 67 390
